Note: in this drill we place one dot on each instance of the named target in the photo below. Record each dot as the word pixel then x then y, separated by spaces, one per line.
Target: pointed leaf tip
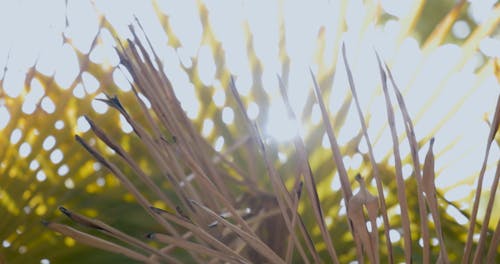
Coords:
pixel 65 211
pixel 91 123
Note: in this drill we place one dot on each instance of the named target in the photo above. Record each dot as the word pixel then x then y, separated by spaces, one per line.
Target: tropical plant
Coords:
pixel 235 194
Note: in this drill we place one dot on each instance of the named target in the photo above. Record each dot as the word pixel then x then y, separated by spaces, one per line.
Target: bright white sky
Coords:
pixel 31 30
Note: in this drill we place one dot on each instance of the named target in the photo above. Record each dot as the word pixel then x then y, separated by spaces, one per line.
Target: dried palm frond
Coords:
pixel 168 182
pixel 224 216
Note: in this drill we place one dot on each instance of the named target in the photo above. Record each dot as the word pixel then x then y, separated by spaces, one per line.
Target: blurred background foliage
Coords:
pixel 42 107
